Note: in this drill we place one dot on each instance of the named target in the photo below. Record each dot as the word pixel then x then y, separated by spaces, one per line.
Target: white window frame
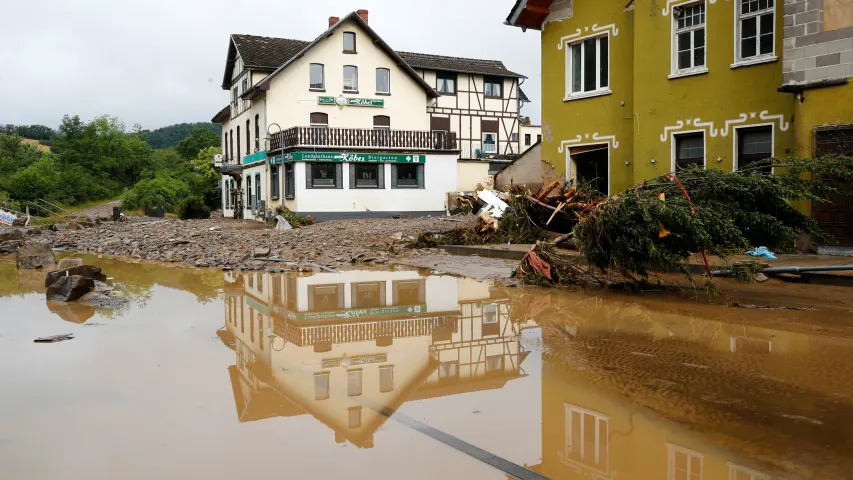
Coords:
pixel 753 474
pixel 497 147
pixel 568 447
pixel 351 90
pixel 736 141
pixel 572 95
pixel 672 451
pixel 758 58
pixel 674 147
pixel 388 92
pixel 686 72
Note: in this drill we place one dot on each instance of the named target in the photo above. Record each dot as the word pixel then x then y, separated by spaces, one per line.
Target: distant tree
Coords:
pixel 15 154
pixel 170 136
pixel 199 140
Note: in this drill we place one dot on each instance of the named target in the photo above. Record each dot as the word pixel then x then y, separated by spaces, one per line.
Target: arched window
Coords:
pixel 319 132
pixel 249 191
pixel 226 200
pixel 257 133
pixel 248 137
pixel 257 190
pixel 238 144
pixel 382 122
pixel 233 194
pixel 319 119
pixel 231 148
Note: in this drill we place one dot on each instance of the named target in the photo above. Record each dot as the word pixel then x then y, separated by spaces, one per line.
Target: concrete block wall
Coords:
pixel 812 54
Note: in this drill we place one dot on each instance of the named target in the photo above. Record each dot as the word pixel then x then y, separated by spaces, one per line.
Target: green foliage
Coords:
pixel 34 132
pixel 193 207
pixel 295 221
pixel 15 154
pixel 7 203
pixel 726 212
pixel 164 191
pixel 199 140
pixel 203 164
pixel 167 137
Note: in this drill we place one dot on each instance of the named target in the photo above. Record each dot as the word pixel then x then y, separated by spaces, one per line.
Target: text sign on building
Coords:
pixel 349 157
pixel 351 102
pixel 357 313
pixel 356 361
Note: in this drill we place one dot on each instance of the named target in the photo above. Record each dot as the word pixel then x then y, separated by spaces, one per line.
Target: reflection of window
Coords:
pixel 736 472
pixel 325 297
pixel 321 386
pixel 386 379
pixel 587 439
pixel 689 38
pixel 260 278
pixel 354 383
pixel 490 313
pixel 354 417
pixel 683 464
pixel 494 363
pixel 448 370
pixel 409 292
pixel 368 295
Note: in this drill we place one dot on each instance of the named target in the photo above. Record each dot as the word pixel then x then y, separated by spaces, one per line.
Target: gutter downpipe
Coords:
pixel 791 269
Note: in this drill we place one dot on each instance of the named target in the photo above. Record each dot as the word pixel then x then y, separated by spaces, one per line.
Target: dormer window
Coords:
pixel 349 42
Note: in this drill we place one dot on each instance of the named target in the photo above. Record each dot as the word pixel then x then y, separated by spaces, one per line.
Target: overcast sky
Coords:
pixel 159 62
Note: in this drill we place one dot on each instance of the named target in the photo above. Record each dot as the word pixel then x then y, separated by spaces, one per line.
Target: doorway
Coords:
pixel 835 217
pixel 590 164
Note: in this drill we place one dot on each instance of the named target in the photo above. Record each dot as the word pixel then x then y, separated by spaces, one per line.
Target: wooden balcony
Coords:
pixel 321 137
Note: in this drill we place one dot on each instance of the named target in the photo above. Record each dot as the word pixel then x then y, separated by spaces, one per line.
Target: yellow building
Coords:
pixel 634 90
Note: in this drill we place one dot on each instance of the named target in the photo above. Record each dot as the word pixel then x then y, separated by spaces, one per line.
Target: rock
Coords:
pixel 398 236
pixel 10 246
pixel 10 233
pixel 35 255
pixel 88 271
pixel 760 277
pixel 70 288
pixel 72 312
pixel 70 262
pixel 262 252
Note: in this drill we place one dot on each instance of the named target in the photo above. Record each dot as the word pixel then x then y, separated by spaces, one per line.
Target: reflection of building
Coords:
pixel 349 348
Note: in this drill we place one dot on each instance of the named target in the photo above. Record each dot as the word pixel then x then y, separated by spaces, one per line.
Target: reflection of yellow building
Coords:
pixel 349 348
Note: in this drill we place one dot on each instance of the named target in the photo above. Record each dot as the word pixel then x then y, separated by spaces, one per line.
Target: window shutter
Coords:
pixel 420 176
pixel 381 179
pixel 308 174
pixel 393 176
pixel 351 175
pixel 339 175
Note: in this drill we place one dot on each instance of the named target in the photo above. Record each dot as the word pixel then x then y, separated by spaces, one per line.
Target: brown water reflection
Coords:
pixel 417 374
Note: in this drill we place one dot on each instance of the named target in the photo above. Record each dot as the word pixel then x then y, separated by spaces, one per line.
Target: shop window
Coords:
pixel 367 175
pixel 324 175
pixel 368 295
pixel 289 181
pixel 407 175
pixel 276 186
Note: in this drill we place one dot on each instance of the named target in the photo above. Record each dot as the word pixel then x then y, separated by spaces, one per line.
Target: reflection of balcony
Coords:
pixel 360 331
pixel 362 138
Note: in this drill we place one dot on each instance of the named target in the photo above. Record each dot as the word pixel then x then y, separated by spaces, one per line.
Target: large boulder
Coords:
pixel 72 312
pixel 88 271
pixel 69 262
pixel 10 246
pixel 10 233
pixel 34 255
pixel 70 288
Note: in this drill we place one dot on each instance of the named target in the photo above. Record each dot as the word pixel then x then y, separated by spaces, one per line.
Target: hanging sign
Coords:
pixel 343 101
pixel 348 157
pixel 7 218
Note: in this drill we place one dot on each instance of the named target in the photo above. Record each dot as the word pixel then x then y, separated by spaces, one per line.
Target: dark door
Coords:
pixel 835 217
pixel 592 168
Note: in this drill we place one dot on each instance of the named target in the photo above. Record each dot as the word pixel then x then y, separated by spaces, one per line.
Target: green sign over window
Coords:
pixel 349 157
pixel 343 101
pixel 355 314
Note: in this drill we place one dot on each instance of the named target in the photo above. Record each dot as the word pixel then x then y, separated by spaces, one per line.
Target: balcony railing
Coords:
pixel 362 138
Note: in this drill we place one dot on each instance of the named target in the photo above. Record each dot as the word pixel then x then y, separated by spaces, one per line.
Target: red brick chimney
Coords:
pixel 363 14
pixel 333 20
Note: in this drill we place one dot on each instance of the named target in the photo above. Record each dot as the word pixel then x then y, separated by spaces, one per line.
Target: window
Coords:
pixel 527 139
pixel 248 137
pixel 321 386
pixel 513 137
pixel 383 80
pixel 276 187
pixel 354 414
pixel 409 292
pixel 249 192
pixel 257 190
pixel 588 67
pixel 320 120
pixel 490 142
pixel 365 175
pixel 231 147
pixel 325 297
pixel 323 175
pixel 683 464
pixel 754 145
pixel 587 439
pixel 317 79
pixel 382 122
pixel 225 202
pixel 368 295
pixel 448 370
pixel 234 96
pixel 490 313
pixel 689 150
pixel 386 379
pixel 492 87
pixel 494 363
pixel 350 79
pixel 538 138
pixel 233 193
pixel 407 175
pixel 736 472
pixel 349 42
pixel 289 181
pixel 756 29
pixel 238 143
pixel 354 383
pixel 257 133
pixel 689 42
pixel 445 83
pixel 319 133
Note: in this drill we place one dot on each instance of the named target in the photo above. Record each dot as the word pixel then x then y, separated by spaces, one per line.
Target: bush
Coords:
pixel 162 191
pixel 193 207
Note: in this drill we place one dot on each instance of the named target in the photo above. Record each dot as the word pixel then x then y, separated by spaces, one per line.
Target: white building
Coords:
pixel 344 126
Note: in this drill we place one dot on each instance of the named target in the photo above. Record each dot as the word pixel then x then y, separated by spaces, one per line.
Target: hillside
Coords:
pixel 170 136
pixel 35 143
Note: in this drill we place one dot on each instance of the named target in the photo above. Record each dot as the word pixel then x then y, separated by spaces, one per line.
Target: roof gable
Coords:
pixel 458 64
pixel 259 53
pixel 377 40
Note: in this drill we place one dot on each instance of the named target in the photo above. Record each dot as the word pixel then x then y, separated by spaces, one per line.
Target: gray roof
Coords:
pixel 426 61
pixel 266 52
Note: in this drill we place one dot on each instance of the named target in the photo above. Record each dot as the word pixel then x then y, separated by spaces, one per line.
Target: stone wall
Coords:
pixel 818 40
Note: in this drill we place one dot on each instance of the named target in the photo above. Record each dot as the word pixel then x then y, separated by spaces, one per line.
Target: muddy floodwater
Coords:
pixel 407 374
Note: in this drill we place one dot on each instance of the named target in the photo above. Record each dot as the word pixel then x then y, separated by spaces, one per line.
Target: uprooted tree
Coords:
pixel 663 221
